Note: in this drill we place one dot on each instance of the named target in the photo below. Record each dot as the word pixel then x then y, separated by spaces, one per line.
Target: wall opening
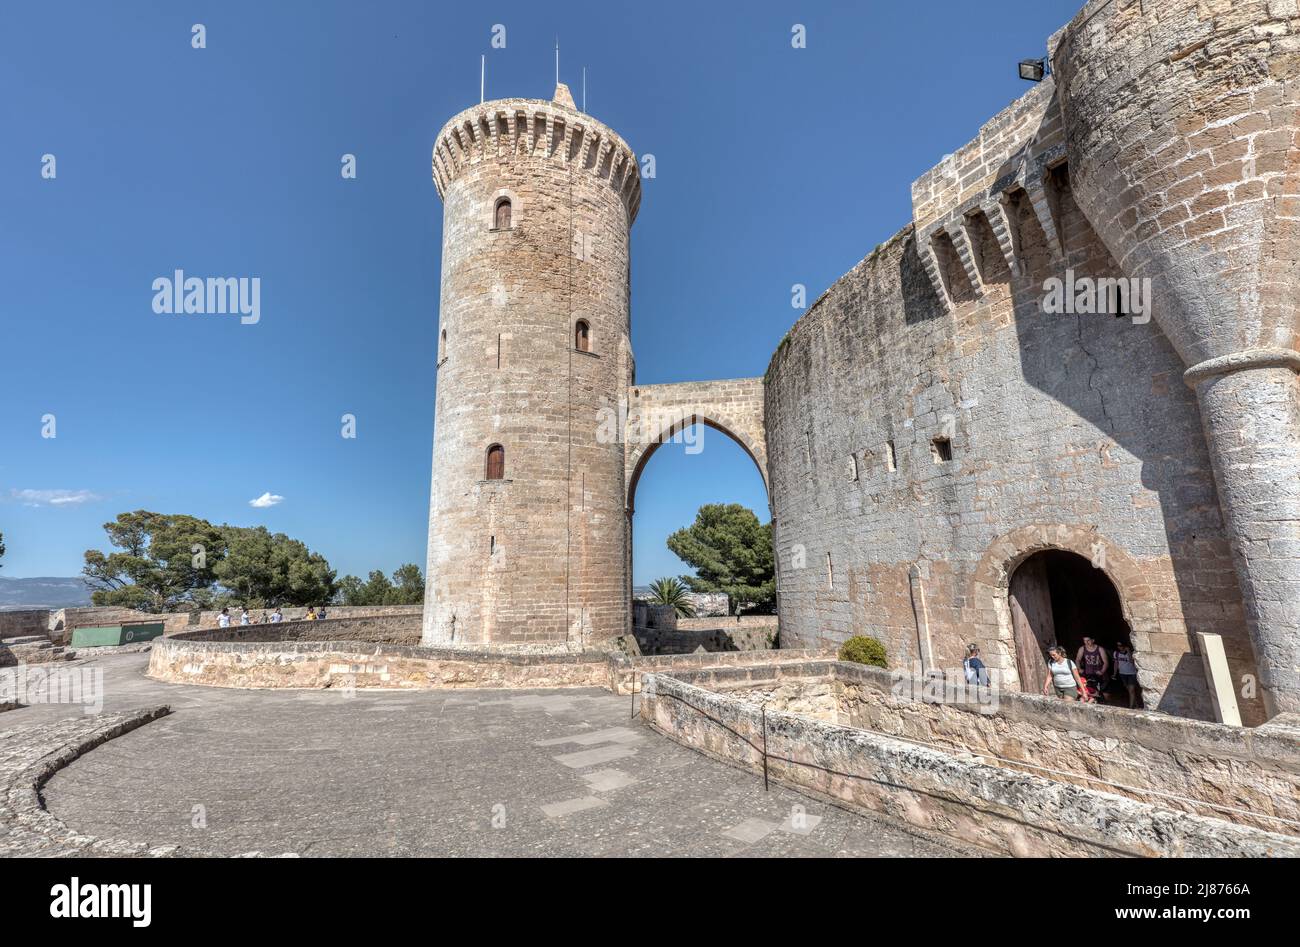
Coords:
pixel 582 335
pixel 496 463
pixel 891 460
pixel 1059 597
pixel 683 469
pixel 941 450
pixel 501 214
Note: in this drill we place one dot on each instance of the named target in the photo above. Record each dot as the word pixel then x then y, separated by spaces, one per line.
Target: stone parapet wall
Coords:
pixel 392 629
pixel 20 624
pixel 209 619
pixel 235 658
pixel 965 800
pixel 326 664
pixel 727 622
pixel 1255 772
pixel 741 638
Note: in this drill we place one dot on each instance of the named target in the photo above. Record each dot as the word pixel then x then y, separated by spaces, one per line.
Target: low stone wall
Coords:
pixel 388 629
pixel 296 656
pixel 210 619
pixel 1252 774
pixel 711 639
pixel 958 797
pixel 752 667
pixel 20 624
pixel 725 622
pixel 324 664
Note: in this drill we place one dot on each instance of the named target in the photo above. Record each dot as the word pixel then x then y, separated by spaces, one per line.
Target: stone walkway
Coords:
pixel 485 772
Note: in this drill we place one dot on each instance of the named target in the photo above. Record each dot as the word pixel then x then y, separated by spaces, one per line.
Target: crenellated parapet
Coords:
pixel 551 132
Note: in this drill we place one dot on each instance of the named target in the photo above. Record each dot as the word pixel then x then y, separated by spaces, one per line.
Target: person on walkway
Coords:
pixel 244 618
pixel 1094 661
pixel 1126 672
pixel 311 613
pixel 977 672
pixel 1063 676
pixel 223 620
pixel 321 613
pixel 277 616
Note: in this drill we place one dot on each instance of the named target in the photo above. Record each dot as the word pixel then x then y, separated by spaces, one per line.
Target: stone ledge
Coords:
pixel 30 757
pixel 199 659
pixel 1006 812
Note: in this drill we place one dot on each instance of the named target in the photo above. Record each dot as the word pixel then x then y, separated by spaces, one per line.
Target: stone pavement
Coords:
pixel 483 772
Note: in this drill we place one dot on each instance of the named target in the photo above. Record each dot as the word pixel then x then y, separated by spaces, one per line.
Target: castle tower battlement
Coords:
pixel 553 132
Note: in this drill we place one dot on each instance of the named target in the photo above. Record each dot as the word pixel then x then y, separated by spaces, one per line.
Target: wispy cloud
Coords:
pixel 53 497
pixel 265 500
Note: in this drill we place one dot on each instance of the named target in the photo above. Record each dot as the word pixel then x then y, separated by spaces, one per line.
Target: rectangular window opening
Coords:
pixel 891 462
pixel 941 450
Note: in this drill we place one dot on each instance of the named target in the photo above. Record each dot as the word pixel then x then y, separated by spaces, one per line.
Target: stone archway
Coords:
pixel 991 584
pixel 658 413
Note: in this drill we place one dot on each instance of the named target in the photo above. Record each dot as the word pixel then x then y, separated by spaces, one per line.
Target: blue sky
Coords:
pixel 774 166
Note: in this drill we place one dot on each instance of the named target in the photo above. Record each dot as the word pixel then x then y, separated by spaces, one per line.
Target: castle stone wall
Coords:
pixel 1067 431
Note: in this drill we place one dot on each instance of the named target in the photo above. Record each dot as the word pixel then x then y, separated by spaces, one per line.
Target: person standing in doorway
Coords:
pixel 1094 661
pixel 1127 673
pixel 1062 676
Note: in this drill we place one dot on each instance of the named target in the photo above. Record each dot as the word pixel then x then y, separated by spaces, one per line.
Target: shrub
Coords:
pixel 862 649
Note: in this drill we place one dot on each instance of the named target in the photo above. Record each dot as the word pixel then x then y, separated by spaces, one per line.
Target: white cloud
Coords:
pixel 53 497
pixel 265 500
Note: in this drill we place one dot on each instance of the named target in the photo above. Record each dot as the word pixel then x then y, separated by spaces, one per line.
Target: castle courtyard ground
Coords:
pixel 320 773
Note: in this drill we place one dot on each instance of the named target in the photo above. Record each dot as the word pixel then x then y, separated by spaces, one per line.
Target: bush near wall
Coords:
pixel 862 649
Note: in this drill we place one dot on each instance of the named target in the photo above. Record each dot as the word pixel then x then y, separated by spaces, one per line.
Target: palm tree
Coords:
pixel 672 591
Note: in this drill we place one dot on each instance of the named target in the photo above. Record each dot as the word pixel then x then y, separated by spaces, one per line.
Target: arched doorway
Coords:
pixel 1059 597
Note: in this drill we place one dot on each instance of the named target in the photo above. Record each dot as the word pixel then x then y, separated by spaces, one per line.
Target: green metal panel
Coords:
pixel 109 635
pixel 142 631
pixel 96 637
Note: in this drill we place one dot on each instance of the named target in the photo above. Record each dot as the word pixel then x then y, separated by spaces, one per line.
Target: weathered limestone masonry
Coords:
pixel 1182 119
pixel 536 555
pixel 1165 147
pixel 926 427
pixel 1250 777
pixel 534 356
pixel 656 413
pixel 237 658
pixel 957 796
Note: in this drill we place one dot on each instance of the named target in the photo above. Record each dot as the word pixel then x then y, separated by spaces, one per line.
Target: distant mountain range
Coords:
pixel 43 592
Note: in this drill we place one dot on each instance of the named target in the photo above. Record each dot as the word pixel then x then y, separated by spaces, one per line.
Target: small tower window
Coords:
pixel 496 462
pixel 582 336
pixel 501 217
pixel 941 450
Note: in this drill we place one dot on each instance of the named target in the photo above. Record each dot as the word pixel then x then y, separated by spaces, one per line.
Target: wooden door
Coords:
pixel 1031 621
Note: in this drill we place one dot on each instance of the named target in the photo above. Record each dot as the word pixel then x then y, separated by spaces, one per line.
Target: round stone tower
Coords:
pixel 527 524
pixel 1183 124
